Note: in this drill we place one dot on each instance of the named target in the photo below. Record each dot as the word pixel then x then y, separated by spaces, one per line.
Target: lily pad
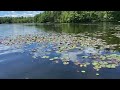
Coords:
pixel 83 71
pixel 97 69
pixel 108 66
pixel 58 51
pixel 65 63
pixel 84 56
pixel 56 61
pixel 102 57
pixel 97 74
pixel 85 65
pixel 81 65
pixel 34 57
pixel 103 65
pixel 55 57
pixel 94 63
pixel 76 63
pixel 51 59
pixel 45 57
pixel 113 65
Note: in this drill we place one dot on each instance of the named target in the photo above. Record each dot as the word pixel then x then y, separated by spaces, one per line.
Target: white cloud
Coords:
pixel 14 15
pixel 13 11
pixel 19 13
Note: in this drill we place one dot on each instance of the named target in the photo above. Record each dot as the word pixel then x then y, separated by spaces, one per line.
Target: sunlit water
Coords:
pixel 21 63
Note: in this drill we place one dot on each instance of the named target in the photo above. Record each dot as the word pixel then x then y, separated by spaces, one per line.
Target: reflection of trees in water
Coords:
pixel 93 30
pixel 69 28
pixel 109 36
pixel 50 28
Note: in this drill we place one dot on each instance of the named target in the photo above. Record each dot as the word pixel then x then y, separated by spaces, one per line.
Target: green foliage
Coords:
pixel 16 19
pixel 115 15
pixel 77 16
pixel 65 17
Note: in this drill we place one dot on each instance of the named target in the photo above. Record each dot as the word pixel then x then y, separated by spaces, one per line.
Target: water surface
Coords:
pixel 25 60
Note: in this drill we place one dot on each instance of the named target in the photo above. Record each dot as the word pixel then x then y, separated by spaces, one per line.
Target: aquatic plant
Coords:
pixel 69 48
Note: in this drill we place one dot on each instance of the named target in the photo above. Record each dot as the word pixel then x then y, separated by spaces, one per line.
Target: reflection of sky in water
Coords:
pixel 74 55
pixel 16 29
pixel 71 55
pixel 9 49
pixel 3 47
pixel 88 50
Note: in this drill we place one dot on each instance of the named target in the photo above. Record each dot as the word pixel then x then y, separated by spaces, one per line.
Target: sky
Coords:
pixel 19 13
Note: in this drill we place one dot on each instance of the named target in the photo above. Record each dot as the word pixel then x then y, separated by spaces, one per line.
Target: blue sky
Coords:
pixel 18 13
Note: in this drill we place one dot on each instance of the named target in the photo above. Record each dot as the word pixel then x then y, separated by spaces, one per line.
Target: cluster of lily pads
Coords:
pixel 78 48
pixel 117 34
pixel 107 61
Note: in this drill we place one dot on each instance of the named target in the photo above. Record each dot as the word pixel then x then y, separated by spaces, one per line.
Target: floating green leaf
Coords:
pixel 84 56
pixel 81 65
pixel 51 59
pixel 55 57
pixel 65 63
pixel 45 57
pixel 83 71
pixel 34 57
pixel 97 74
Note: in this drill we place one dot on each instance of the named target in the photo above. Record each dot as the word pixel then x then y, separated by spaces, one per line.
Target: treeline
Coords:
pixel 16 19
pixel 65 17
pixel 77 16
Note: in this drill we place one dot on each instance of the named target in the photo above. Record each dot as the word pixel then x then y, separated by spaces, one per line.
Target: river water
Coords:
pixel 41 58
